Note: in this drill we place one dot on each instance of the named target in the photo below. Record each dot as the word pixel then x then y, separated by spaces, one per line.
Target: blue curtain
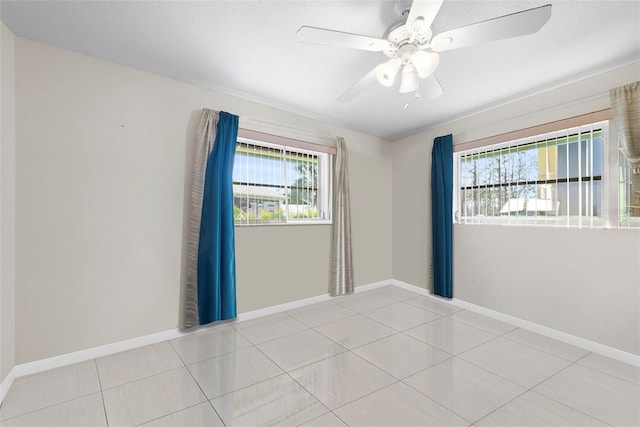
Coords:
pixel 216 250
pixel 442 215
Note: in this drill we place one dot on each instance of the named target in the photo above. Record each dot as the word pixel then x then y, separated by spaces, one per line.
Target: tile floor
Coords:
pixel 383 357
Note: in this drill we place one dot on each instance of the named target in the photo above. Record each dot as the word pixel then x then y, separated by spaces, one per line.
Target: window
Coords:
pixel 551 179
pixel 276 184
pixel 629 190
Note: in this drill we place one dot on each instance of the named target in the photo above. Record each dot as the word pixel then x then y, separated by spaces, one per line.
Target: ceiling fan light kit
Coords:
pixel 425 62
pixel 409 80
pixel 386 72
pixel 411 45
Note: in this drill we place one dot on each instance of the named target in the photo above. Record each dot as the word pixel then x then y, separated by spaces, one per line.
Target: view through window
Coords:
pixel 552 179
pixel 273 184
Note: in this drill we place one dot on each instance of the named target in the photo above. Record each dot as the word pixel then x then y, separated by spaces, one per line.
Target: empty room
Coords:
pixel 320 213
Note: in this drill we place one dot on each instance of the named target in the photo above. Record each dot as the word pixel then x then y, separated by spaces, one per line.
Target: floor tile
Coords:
pixel 278 401
pixel 401 316
pixel 204 345
pixel 364 301
pixel 300 349
pixel 555 347
pixel 150 398
pixel 341 379
pixel 269 327
pixel 401 355
pixel 482 322
pixel 355 331
pixel 449 335
pixel 232 371
pixel 397 405
pixel 467 390
pixel 321 313
pixel 534 410
pixel 128 366
pixel 519 363
pixel 327 420
pixel 613 367
pixel 609 399
pixel 81 412
pixel 201 415
pixel 396 292
pixel 432 304
pixel 50 388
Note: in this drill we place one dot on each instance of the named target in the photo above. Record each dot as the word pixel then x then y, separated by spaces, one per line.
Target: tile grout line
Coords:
pixel 347 351
pixel 605 373
pixel 352 350
pixel 104 406
pixel 199 387
pixel 540 349
pixel 296 381
pixel 561 403
pixel 344 350
pixel 58 403
pixel 531 390
pixel 403 383
pixel 394 383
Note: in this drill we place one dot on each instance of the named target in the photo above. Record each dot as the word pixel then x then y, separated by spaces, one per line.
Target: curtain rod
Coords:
pixel 583 119
pixel 283 140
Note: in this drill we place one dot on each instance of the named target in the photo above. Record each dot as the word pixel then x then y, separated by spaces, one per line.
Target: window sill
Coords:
pixel 287 224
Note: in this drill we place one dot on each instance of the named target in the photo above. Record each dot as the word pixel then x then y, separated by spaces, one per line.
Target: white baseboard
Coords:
pixel 371 286
pixel 583 343
pixel 130 344
pixel 93 353
pixel 108 349
pixel 413 288
pixel 6 383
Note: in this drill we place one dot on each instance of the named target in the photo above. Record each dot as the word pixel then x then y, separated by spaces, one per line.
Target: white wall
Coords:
pixel 103 162
pixel 563 300
pixel 7 201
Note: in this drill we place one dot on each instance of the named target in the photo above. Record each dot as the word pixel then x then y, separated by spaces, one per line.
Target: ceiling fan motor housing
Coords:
pixel 399 36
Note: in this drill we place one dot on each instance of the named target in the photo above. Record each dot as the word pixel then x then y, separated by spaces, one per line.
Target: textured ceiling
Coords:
pixel 249 49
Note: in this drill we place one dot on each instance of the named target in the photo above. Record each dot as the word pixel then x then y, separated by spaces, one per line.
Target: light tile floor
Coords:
pixel 383 357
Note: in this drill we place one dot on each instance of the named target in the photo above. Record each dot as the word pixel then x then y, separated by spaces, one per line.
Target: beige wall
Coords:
pixel 102 164
pixel 7 201
pixel 563 300
pixel 103 152
pixel 587 281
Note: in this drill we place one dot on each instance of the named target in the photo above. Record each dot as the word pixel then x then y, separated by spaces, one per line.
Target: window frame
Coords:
pixel 288 147
pixel 609 202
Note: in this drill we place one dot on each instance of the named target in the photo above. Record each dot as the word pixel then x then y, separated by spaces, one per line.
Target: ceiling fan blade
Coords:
pixel 357 88
pixel 427 10
pixel 430 87
pixel 513 25
pixel 338 38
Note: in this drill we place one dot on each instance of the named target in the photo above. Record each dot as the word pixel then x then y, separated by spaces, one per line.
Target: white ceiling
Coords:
pixel 249 49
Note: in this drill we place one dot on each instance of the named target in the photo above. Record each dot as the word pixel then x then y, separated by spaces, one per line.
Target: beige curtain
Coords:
pixel 341 275
pixel 205 139
pixel 625 109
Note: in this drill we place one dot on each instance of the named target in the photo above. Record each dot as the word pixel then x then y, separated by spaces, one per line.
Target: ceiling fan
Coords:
pixel 412 47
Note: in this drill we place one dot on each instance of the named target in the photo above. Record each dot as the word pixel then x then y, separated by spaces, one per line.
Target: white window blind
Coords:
pixel 276 184
pixel 554 179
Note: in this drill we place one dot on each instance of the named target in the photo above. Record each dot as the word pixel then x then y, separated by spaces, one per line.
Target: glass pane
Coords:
pixel 597 153
pixel 585 152
pixel 552 162
pixel 562 199
pixel 597 198
pixel 574 170
pixel 562 160
pixel 302 177
pixel 574 207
